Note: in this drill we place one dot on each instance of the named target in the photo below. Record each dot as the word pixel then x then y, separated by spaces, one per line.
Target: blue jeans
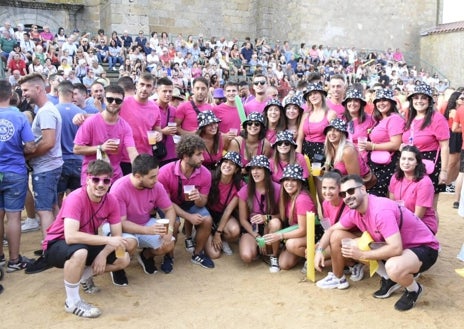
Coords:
pixel 13 188
pixel 70 175
pixel 45 187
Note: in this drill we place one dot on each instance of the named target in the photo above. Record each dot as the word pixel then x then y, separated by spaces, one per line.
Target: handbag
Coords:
pixel 159 149
pixel 381 157
pixel 369 180
pixel 429 164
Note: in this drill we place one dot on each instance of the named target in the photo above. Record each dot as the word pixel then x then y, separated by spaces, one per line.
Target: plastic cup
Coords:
pixel 233 131
pixel 165 222
pixel 120 252
pixel 187 190
pixel 362 140
pixel 172 124
pixel 151 134
pixel 316 168
pixel 116 141
pixel 176 138
pixel 347 242
pixel 325 223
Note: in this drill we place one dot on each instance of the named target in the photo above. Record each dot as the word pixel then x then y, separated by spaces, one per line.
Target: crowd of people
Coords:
pixel 228 162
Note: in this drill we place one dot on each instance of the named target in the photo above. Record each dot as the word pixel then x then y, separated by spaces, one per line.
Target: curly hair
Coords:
pixel 188 145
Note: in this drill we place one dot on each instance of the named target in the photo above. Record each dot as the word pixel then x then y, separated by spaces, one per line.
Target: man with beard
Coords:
pixel 142 115
pixel 138 194
pixel 104 135
pixel 168 114
pixel 73 242
pixel 336 94
pixel 259 102
pixel 186 114
pixel 407 248
pixel 244 92
pixel 97 94
pixel 188 183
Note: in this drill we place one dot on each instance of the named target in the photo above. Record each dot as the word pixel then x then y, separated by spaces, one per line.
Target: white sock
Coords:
pixel 72 293
pixel 413 286
pixel 86 274
pixel 381 270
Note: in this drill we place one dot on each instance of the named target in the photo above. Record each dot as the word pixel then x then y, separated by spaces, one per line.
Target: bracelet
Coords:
pixel 373 146
pixel 319 249
pixel 268 218
pixel 219 231
pixel 99 147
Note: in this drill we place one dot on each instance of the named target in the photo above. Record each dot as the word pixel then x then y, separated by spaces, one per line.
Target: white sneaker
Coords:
pixel 357 272
pixel 332 282
pixel 226 248
pixel 83 309
pixel 274 268
pixel 30 224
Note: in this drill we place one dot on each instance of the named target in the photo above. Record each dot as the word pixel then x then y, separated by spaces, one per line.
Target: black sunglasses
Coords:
pixel 286 143
pixel 97 180
pixel 262 83
pixel 253 123
pixel 110 100
pixel 350 191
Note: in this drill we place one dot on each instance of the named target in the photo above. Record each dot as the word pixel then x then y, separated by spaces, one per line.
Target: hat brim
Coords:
pixel 326 130
pixel 411 95
pixel 346 100
pixel 292 142
pixel 300 179
pixel 306 94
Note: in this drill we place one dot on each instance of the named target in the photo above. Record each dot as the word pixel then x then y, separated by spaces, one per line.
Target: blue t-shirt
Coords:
pixel 14 131
pixel 52 98
pixel 69 129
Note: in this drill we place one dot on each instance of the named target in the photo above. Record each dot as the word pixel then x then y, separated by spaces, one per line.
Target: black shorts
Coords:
pixel 455 143
pixel 426 255
pixel 58 252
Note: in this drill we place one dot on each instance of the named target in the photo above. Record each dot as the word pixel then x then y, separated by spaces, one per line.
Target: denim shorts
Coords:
pixel 13 188
pixel 45 185
pixel 70 176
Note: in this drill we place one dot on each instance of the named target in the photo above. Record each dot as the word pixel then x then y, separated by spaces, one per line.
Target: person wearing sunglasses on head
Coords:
pixel 284 154
pixel 105 134
pixel 405 245
pixel 73 243
pixel 260 101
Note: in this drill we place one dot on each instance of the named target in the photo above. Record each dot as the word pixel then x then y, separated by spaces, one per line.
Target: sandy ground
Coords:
pixel 237 295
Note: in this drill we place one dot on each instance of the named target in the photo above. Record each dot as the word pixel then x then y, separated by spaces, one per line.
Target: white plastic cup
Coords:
pixel 187 190
pixel 176 138
pixel 325 223
pixel 165 222
pixel 316 168
pixel 347 242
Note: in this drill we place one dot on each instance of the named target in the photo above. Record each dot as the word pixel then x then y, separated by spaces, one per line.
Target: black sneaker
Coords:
pixel 387 288
pixel 38 266
pixel 408 300
pixel 21 264
pixel 148 265
pixel 1 288
pixel 2 260
pixel 167 265
pixel 202 260
pixel 189 245
pixel 119 278
pixel 38 252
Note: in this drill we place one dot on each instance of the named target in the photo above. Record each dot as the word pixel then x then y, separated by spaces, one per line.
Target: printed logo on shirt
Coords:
pixel 7 130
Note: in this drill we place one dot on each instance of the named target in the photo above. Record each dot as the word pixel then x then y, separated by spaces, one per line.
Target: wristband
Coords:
pixel 170 229
pixel 99 147
pixel 320 249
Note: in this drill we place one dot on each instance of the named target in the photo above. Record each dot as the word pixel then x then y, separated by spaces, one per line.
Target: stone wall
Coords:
pixel 443 51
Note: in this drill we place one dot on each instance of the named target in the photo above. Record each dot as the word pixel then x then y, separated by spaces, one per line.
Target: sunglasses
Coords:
pixel 110 100
pixel 253 123
pixel 98 180
pixel 286 143
pixel 262 83
pixel 350 191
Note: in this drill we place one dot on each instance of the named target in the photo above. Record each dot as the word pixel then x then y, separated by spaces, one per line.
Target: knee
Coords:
pixel 393 268
pixel 274 225
pixel 79 257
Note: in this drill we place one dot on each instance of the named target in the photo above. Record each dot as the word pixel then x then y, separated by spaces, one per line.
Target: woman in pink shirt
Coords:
pixel 295 201
pixel 274 119
pixel 428 130
pixel 357 120
pixel 222 204
pixel 285 154
pixel 293 113
pixel 385 136
pixel 412 188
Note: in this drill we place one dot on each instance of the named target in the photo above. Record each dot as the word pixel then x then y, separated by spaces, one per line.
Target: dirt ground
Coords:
pixel 235 295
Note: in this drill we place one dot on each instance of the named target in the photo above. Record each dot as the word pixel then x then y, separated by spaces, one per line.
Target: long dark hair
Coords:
pixel 419 171
pixel 216 138
pixel 412 114
pixel 271 206
pixel 452 103
pixel 378 116
pixel 214 193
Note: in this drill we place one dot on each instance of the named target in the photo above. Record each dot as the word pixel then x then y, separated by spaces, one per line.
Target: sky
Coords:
pixel 453 11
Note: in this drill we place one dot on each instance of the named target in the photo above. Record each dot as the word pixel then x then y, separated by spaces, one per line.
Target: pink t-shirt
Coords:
pixel 258 207
pixel 459 118
pixel 226 193
pixel 210 159
pixel 137 204
pixel 382 220
pixel 188 116
pixel 170 173
pixel 303 204
pixel 96 131
pixel 330 211
pixel 255 106
pixel 429 138
pixel 414 194
pixel 390 126
pixel 90 215
pixel 338 108
pixel 278 169
pixel 229 118
pixel 356 129
pixel 168 140
pixel 314 131
pixel 141 117
pixel 363 167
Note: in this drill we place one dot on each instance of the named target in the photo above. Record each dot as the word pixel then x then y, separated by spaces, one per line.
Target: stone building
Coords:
pixel 375 24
